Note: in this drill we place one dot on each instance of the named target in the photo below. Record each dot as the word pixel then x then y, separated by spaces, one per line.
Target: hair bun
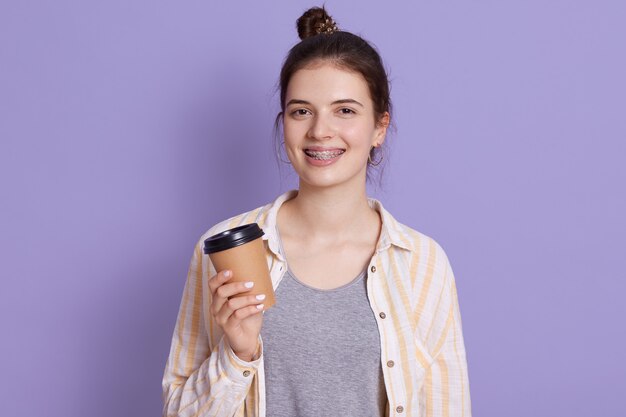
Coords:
pixel 314 22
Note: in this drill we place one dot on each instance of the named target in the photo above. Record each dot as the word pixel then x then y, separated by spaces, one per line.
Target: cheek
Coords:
pixel 292 131
pixel 288 132
pixel 359 134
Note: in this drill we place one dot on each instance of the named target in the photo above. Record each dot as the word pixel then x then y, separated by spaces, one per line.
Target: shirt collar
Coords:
pixel 392 232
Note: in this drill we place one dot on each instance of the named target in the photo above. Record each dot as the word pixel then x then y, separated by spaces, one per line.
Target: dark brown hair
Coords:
pixel 322 41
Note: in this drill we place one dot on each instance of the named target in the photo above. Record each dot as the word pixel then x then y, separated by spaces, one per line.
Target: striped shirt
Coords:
pixel 411 290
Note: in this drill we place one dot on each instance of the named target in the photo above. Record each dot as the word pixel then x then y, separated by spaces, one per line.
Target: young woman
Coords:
pixel 367 321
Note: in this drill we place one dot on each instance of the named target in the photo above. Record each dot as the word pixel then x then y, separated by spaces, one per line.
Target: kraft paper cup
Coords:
pixel 241 250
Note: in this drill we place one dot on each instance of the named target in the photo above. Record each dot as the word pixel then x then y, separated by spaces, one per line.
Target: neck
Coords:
pixel 328 213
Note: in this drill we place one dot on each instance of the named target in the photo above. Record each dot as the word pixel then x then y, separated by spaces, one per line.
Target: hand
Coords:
pixel 239 317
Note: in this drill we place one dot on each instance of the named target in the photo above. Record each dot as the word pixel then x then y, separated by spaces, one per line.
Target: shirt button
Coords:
pixel 399 409
pixel 390 364
pixel 382 315
pixel 373 268
pixel 246 373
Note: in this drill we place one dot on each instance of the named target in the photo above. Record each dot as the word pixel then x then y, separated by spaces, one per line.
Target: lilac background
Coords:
pixel 120 122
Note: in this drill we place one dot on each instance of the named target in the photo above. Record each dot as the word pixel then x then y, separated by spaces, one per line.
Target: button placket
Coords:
pixel 390 363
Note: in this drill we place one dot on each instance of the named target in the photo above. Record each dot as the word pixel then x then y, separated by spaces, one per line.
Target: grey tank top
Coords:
pixel 322 352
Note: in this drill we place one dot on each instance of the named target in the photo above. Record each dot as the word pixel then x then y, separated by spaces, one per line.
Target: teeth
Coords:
pixel 323 154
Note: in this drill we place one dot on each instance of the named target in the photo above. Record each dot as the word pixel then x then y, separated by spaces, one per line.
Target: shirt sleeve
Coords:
pixel 446 386
pixel 201 380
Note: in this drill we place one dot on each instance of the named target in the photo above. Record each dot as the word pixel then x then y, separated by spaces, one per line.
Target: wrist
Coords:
pixel 248 355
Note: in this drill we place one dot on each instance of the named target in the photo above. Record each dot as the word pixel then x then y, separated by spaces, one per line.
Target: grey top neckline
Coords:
pixel 354 281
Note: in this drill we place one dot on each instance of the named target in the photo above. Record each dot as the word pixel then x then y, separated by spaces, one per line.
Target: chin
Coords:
pixel 332 180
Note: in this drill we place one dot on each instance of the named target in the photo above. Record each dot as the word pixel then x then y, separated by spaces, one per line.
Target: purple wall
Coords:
pixel 120 125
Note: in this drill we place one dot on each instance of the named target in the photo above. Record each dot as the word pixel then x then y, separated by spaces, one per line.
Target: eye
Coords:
pixel 300 112
pixel 346 111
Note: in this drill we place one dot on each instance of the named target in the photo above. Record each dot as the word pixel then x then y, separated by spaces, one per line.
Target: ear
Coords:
pixel 381 129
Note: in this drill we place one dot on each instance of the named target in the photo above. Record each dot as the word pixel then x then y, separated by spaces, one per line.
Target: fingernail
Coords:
pixel 249 284
pixel 227 274
pixel 260 306
pixel 260 297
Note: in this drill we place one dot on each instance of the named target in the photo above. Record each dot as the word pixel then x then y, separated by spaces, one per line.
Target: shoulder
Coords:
pixel 424 270
pixel 424 252
pixel 257 215
pixel 422 243
pixel 264 216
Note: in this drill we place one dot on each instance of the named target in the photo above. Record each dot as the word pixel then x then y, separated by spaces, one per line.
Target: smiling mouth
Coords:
pixel 322 155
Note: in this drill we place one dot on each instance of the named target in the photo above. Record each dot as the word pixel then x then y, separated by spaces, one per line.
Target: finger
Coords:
pixel 235 304
pixel 226 291
pixel 243 313
pixel 218 279
pixel 231 289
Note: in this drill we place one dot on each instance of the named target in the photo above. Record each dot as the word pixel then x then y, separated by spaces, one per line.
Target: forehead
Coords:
pixel 327 83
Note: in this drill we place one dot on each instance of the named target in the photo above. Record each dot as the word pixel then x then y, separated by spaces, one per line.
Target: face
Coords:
pixel 329 126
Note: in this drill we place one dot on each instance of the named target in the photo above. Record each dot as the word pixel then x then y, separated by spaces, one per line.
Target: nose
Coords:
pixel 321 127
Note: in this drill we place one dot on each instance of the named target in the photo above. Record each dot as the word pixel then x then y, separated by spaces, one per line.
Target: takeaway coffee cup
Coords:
pixel 241 250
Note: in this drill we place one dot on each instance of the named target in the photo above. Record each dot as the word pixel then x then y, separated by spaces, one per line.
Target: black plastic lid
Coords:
pixel 231 238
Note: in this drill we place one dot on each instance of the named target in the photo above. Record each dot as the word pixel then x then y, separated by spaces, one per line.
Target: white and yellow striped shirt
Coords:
pixel 412 293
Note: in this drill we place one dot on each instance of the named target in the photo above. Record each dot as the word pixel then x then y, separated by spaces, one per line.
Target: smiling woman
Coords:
pixel 329 117
pixel 366 321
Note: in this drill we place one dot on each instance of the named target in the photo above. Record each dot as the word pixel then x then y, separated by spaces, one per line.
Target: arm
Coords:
pixel 200 379
pixel 446 387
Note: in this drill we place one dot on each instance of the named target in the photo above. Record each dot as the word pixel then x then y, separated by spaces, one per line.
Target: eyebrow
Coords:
pixel 342 101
